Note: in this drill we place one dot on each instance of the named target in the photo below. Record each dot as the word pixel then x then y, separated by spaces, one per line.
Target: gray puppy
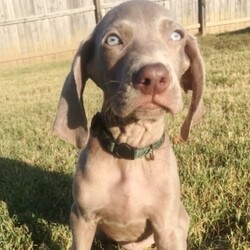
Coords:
pixel 126 183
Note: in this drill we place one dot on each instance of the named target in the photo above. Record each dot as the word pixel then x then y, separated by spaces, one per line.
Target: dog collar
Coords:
pixel 120 150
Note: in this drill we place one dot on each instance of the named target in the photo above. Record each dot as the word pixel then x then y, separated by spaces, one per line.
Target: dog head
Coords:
pixel 141 59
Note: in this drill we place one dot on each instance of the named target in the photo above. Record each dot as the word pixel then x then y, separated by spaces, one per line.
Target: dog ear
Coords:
pixel 193 79
pixel 71 123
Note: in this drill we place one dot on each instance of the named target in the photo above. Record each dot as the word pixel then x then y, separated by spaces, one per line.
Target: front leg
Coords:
pixel 172 233
pixel 170 239
pixel 83 230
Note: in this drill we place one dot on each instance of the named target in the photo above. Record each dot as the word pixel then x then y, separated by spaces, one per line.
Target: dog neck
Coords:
pixel 116 139
pixel 146 133
pixel 136 133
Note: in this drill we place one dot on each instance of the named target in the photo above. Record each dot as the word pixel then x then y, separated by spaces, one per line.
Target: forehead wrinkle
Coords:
pixel 119 25
pixel 136 14
pixel 137 11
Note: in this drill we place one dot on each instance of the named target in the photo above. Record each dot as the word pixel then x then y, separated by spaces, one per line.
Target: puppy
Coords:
pixel 126 183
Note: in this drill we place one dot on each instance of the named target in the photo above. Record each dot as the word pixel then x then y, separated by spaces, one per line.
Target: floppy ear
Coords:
pixel 71 123
pixel 193 79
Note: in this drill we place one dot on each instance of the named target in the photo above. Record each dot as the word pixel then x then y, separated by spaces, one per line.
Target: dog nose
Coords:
pixel 151 79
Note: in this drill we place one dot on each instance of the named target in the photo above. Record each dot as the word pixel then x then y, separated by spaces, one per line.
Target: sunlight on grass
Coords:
pixel 36 167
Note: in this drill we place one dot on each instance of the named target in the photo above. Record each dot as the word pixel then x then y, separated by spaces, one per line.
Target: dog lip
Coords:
pixel 149 106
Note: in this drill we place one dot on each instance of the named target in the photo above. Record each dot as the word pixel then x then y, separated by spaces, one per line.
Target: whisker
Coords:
pixel 114 100
pixel 126 80
pixel 110 103
pixel 111 81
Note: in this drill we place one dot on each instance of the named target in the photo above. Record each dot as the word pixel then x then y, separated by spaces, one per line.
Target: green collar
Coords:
pixel 120 150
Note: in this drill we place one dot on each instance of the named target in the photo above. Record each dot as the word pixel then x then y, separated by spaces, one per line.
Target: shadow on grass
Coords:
pixel 36 198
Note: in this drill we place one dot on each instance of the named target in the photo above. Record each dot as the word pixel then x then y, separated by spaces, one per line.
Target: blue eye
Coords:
pixel 175 36
pixel 113 40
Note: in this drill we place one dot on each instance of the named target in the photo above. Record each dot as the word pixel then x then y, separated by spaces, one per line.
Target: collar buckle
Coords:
pixel 123 150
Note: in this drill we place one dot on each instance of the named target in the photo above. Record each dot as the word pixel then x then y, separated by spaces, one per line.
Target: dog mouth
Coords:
pixel 130 103
pixel 149 110
pixel 149 106
pixel 149 103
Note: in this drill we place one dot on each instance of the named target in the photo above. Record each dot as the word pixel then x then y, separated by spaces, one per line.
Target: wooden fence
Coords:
pixel 35 30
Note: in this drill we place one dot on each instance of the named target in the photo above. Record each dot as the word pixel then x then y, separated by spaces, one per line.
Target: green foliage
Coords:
pixel 36 167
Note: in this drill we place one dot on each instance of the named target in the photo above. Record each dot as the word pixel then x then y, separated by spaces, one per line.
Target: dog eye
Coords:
pixel 176 36
pixel 113 40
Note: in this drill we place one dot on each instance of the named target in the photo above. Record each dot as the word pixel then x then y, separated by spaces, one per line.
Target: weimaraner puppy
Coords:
pixel 126 183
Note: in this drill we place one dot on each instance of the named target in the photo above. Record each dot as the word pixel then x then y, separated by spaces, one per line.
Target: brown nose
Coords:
pixel 151 79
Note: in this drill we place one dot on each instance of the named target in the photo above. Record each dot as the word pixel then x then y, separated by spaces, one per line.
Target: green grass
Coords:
pixel 36 167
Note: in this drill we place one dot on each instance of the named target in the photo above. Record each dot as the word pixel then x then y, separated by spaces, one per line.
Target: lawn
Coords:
pixel 36 167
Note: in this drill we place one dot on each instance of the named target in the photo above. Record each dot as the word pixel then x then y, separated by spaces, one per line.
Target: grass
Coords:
pixel 36 167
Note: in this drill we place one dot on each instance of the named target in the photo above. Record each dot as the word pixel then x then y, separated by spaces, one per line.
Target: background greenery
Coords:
pixel 36 167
